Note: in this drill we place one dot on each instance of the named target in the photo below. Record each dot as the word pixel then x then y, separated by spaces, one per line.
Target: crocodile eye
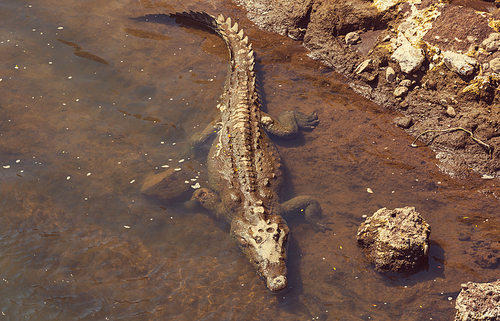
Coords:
pixel 270 230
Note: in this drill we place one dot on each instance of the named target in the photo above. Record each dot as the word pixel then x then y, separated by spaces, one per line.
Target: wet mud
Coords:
pixel 78 137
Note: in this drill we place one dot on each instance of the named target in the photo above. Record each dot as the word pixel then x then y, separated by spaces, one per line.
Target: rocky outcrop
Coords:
pixel 449 53
pixel 478 302
pixel 396 239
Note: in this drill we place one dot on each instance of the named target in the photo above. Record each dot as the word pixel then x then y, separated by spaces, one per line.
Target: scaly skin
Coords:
pixel 245 169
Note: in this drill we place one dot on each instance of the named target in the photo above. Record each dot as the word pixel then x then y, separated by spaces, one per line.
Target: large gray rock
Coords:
pixel 478 301
pixel 396 239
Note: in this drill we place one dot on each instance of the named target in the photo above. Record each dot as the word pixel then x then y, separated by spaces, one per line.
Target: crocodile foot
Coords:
pixel 306 121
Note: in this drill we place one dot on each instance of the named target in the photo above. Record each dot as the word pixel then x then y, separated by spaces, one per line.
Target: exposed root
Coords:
pixel 480 142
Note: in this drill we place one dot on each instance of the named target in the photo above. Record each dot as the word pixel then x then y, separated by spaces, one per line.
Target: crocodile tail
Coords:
pixel 240 49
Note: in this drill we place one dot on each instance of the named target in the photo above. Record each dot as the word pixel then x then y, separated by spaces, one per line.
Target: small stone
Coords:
pixel 362 66
pixel 450 111
pixel 492 43
pixel 461 64
pixel 408 57
pixel 405 82
pixel 495 64
pixel 400 91
pixel 403 122
pixel 352 38
pixel 443 102
pixel 390 75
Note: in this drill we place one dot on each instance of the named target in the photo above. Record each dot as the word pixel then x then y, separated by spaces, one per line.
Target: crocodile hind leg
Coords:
pixel 311 209
pixel 288 123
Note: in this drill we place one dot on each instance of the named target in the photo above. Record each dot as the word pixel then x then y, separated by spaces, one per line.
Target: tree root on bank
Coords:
pixel 451 130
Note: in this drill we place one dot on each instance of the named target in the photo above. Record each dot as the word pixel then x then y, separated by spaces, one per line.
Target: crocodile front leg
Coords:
pixel 288 123
pixel 311 209
pixel 210 201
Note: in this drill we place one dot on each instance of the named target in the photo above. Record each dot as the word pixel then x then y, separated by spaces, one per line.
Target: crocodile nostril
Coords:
pixel 270 230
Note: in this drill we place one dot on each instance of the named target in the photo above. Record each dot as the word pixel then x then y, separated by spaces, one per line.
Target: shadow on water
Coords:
pixel 93 101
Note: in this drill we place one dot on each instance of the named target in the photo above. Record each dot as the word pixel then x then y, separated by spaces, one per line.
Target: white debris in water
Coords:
pixel 88 174
pixel 126 226
pixel 69 77
pixel 173 144
pixel 196 186
pixel 369 190
pixel 60 28
pixel 119 163
pixel 193 179
pixel 132 181
pixel 162 143
pixel 485 176
pixel 177 169
pixel 182 160
pixel 187 182
pixel 68 177
pixel 165 166
pixel 6 166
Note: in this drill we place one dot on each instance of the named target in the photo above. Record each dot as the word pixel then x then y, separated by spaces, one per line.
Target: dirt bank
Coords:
pixel 435 62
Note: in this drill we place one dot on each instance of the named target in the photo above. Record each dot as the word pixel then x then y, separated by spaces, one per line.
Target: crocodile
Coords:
pixel 245 169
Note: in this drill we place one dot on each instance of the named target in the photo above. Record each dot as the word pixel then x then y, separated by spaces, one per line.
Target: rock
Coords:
pixel 450 111
pixel 168 186
pixel 461 64
pixel 352 38
pixel 390 75
pixel 408 57
pixel 478 301
pixel 405 82
pixel 362 66
pixel 495 64
pixel 400 91
pixel 396 239
pixel 492 43
pixel 403 122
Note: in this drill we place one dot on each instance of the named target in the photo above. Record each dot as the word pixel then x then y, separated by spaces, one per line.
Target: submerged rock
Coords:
pixel 395 240
pixel 478 301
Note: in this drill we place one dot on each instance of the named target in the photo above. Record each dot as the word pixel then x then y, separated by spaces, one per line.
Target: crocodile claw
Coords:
pixel 320 225
pixel 306 121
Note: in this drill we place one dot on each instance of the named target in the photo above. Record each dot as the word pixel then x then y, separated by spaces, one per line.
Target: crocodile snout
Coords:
pixel 277 284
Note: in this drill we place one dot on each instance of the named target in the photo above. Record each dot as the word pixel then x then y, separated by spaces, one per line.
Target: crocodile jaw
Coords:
pixel 264 242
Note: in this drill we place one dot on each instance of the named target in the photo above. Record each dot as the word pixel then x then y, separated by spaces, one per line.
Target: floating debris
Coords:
pixel 177 169
pixel 126 226
pixel 196 186
pixel 485 176
pixel 132 181
pixel 369 190
pixel 68 177
pixel 6 166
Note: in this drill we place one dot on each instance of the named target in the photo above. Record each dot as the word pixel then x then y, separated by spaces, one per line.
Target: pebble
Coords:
pixel 450 111
pixel 390 75
pixel 405 82
pixel 495 64
pixel 461 64
pixel 362 66
pixel 352 38
pixel 492 43
pixel 403 122
pixel 400 91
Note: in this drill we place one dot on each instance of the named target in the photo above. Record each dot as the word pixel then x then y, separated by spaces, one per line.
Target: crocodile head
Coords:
pixel 265 244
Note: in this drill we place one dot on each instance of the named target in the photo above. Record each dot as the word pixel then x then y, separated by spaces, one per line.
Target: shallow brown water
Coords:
pixel 96 95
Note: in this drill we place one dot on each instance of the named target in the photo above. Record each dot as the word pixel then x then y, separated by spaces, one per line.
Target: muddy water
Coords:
pixel 97 95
